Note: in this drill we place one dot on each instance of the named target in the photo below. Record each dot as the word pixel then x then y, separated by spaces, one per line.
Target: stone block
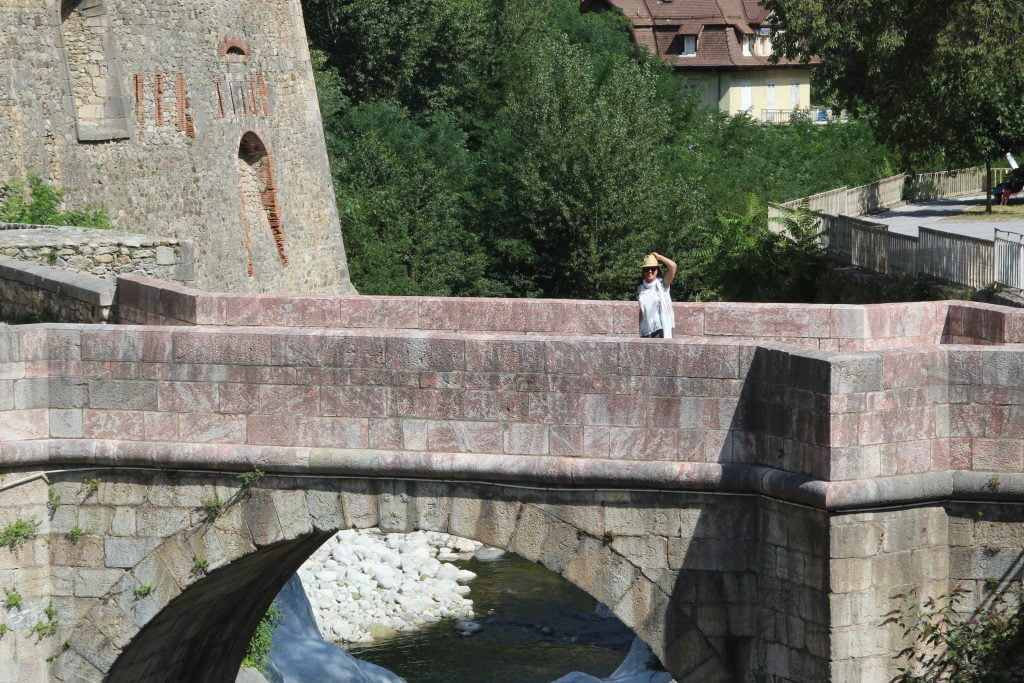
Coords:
pixel 359 502
pixel 127 552
pixel 431 506
pixel 122 394
pixel 645 552
pixel 66 424
pixel 113 424
pixel 187 397
pixel 531 531
pixel 94 583
pixel 260 512
pixel 497 522
pixel 395 508
pixel 856 372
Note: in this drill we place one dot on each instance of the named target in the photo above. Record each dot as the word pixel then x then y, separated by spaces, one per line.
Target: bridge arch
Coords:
pixel 164 619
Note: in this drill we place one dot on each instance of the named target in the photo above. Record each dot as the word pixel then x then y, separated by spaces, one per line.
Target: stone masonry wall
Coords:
pixel 121 551
pixel 139 107
pixel 868 465
pixel 102 253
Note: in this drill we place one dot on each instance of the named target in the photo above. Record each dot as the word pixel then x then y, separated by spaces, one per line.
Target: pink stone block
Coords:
pixel 414 435
pixel 464 437
pixel 489 405
pixel 603 409
pixel 298 348
pixel 212 428
pixel 160 426
pixel 112 344
pixel 239 309
pixel 425 353
pixel 499 315
pixel 596 441
pixel 353 351
pixel 599 317
pixel 844 429
pixel 322 376
pixel 960 454
pixel 565 440
pixel 177 304
pixel 187 397
pixel 914 457
pixel 997 455
pixel 689 319
pixel 579 357
pixel 555 408
pixel 121 425
pixel 897 425
pixel 495 355
pixel 32 343
pixel 239 398
pixel 385 433
pixel 239 348
pixel 338 432
pixel 349 401
pixel 642 444
pixel 526 439
pixel 681 359
pixel 371 312
pixel 764 320
pixel 17 425
pixel 424 403
pixel 210 309
pixel 289 400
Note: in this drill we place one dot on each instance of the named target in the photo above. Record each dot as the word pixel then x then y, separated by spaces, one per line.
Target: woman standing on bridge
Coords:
pixel 656 318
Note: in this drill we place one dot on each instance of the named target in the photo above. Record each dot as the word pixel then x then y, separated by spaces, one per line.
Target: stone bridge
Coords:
pixel 746 497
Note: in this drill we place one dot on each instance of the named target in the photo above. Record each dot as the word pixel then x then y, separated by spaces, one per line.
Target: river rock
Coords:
pixel 467 628
pixel 365 578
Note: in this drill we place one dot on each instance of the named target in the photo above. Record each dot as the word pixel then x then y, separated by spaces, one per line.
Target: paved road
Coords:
pixel 906 220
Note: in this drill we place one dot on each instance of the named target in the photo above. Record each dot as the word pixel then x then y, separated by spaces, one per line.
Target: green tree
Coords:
pixel 36 202
pixel 938 79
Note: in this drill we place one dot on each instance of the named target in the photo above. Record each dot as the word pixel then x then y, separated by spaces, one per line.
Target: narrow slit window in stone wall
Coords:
pixel 95 92
pixel 257 191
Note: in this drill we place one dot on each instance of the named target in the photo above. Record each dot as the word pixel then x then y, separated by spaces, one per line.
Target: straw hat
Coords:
pixel 650 261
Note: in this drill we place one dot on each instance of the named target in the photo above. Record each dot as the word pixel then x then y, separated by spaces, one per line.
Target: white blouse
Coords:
pixel 655 304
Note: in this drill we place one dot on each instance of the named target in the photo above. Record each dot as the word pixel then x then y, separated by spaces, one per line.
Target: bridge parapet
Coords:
pixel 827 414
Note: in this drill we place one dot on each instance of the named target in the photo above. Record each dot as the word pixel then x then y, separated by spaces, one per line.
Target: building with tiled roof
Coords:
pixel 721 49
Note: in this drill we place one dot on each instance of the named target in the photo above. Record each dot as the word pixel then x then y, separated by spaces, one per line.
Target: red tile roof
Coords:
pixel 660 24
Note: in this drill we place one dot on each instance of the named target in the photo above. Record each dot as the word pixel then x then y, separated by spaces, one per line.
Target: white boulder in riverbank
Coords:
pixel 365 585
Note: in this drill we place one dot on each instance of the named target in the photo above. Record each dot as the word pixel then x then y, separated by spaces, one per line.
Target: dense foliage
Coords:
pixel 520 148
pixel 33 201
pixel 948 645
pixel 942 79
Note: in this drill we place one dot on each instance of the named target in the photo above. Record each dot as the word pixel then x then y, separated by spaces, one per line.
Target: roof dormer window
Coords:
pixel 747 46
pixel 689 46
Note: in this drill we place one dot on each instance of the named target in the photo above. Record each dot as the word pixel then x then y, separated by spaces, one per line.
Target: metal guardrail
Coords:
pixel 952 258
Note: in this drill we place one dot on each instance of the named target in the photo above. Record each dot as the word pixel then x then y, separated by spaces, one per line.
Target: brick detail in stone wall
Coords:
pixel 158 98
pixel 234 50
pixel 139 89
pixel 258 195
pixel 220 96
pixel 264 94
pixel 185 124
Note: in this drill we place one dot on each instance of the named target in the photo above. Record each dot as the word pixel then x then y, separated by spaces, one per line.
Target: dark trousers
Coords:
pixel 657 334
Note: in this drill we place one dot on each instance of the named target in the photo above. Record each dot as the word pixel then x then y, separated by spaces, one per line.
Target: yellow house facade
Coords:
pixel 720 50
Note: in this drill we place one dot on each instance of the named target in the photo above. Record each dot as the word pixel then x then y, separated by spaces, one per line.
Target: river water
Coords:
pixel 536 627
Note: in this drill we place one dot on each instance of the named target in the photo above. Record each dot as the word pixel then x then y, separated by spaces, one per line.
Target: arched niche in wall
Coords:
pixel 93 72
pixel 257 191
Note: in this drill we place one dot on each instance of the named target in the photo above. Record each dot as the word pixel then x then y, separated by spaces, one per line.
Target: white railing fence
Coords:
pixel 954 259
pixel 1009 259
